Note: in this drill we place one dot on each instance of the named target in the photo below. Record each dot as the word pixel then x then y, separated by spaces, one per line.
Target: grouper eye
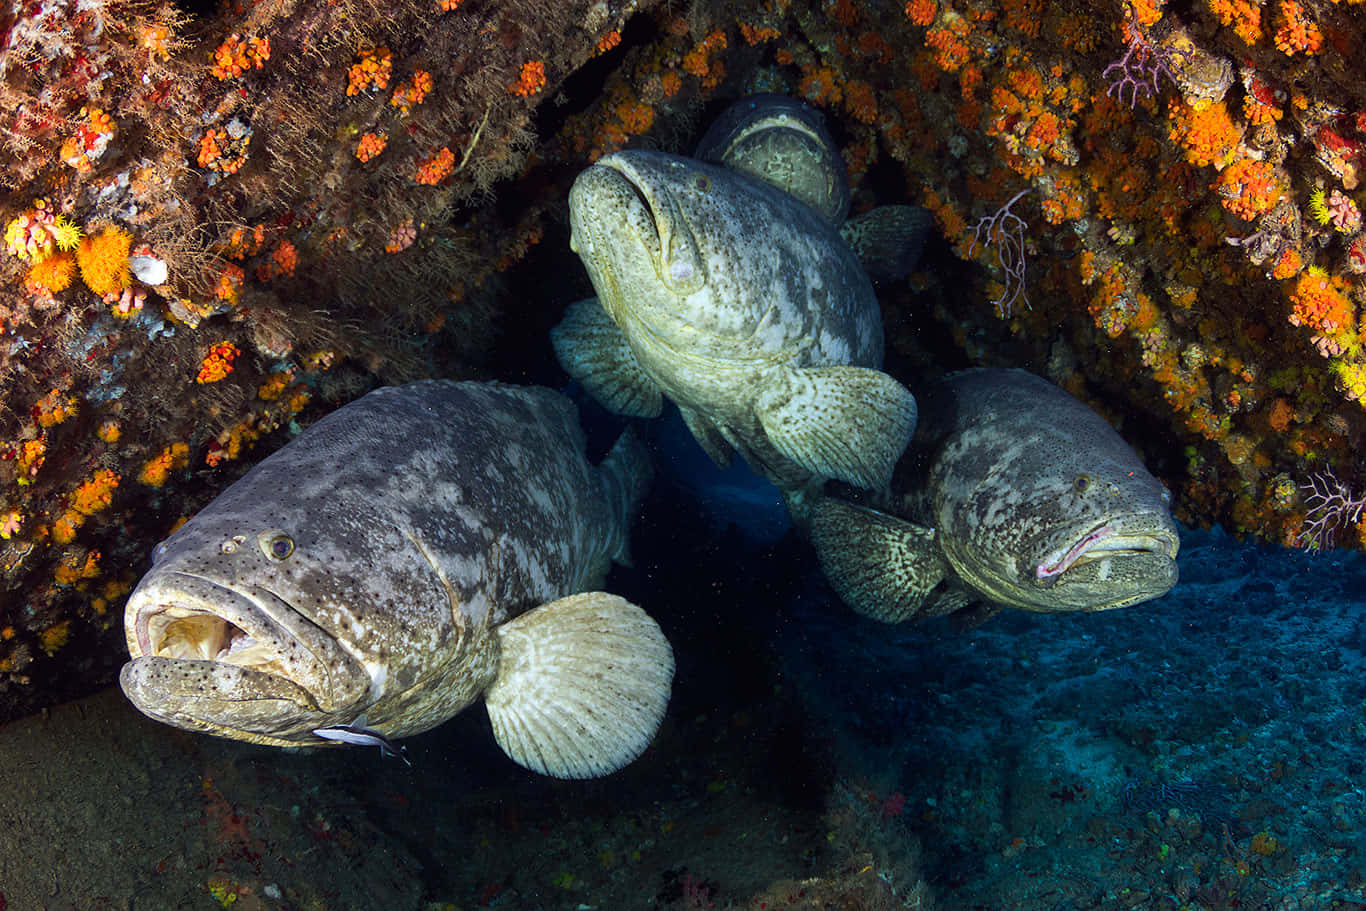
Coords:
pixel 276 545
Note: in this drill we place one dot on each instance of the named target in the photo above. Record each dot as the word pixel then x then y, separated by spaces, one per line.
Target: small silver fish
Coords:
pixel 364 737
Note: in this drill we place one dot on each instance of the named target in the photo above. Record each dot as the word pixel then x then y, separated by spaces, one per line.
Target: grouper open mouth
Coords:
pixel 1102 543
pixel 223 660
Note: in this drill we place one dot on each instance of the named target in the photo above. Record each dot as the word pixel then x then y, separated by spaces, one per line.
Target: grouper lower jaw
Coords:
pixel 222 699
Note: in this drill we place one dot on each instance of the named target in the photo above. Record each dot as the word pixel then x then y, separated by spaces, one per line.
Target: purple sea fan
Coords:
pixel 1330 505
pixel 1139 70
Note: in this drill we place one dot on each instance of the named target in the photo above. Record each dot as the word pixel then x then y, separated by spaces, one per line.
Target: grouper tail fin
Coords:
pixel 626 474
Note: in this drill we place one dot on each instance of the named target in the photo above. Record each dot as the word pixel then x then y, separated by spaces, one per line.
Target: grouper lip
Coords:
pixel 612 176
pixel 1103 541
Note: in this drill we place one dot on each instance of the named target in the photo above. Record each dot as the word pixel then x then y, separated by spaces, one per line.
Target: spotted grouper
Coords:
pixel 1012 493
pixel 742 305
pixel 415 550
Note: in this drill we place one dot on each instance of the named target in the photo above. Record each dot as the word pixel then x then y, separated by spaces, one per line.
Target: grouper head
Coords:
pixel 784 142
pixel 1052 511
pixel 692 257
pixel 282 608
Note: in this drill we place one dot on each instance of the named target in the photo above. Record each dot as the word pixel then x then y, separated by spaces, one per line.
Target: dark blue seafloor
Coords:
pixel 1204 751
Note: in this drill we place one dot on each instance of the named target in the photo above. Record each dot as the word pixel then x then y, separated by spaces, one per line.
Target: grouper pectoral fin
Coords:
pixel 888 240
pixel 582 685
pixel 709 437
pixel 591 349
pixel 848 423
pixel 881 566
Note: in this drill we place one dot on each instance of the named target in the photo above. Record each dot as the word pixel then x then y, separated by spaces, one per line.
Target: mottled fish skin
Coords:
pixel 781 141
pixel 1034 502
pixel 358 571
pixel 719 283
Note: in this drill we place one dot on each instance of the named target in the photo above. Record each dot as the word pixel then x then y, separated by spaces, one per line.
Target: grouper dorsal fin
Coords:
pixel 582 685
pixel 881 566
pixel 591 349
pixel 847 423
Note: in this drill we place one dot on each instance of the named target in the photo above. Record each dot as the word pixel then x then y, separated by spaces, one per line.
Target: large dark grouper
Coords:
pixel 742 305
pixel 417 549
pixel 1012 493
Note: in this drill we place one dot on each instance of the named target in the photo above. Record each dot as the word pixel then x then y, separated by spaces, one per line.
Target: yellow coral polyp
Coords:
pixel 1208 136
pixel 157 469
pixel 95 494
pixel 55 636
pixel 53 274
pixel 54 408
pixel 217 363
pixel 103 259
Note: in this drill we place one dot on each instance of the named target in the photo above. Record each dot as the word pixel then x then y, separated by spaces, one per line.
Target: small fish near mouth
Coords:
pixel 364 737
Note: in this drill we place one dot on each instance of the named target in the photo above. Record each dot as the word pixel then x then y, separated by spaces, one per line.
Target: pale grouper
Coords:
pixel 1013 493
pixel 743 306
pixel 415 550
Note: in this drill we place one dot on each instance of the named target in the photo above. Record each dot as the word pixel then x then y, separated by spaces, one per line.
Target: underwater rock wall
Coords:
pixel 212 223
pixel 217 227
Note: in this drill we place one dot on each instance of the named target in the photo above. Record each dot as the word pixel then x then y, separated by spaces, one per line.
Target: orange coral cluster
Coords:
pixel 217 364
pixel 920 12
pixel 53 274
pixel 372 71
pixel 1243 16
pixel 607 42
pixel 530 80
pixel 103 259
pixel 224 149
pixel 1296 31
pixel 413 92
pixel 370 145
pixel 237 54
pixel 704 62
pixel 87 499
pixel 157 469
pixel 436 168
pixel 1248 188
pixel 1319 304
pixel 758 34
pixel 1208 135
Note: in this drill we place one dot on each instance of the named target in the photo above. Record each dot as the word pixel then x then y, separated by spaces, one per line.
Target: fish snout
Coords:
pixel 1113 565
pixel 239 662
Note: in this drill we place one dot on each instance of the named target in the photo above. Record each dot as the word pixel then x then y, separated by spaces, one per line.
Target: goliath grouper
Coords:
pixel 1013 493
pixel 412 551
pixel 745 307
